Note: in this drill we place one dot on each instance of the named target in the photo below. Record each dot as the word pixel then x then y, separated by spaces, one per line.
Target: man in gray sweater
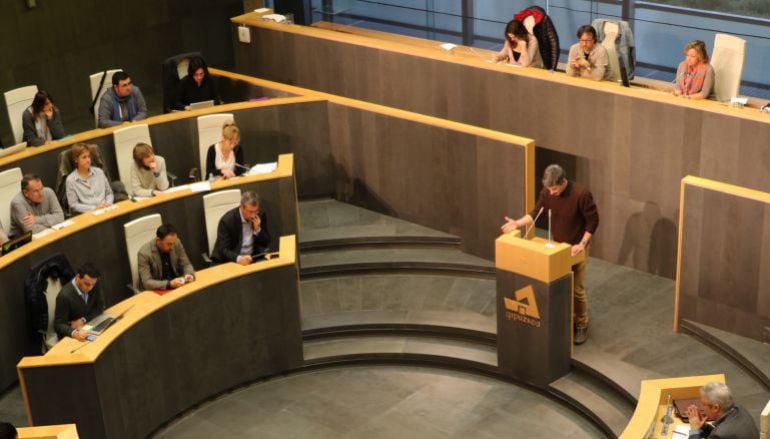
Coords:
pixel 35 208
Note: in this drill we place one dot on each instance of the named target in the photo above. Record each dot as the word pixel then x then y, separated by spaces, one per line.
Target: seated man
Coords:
pixel 588 59
pixel 122 103
pixel 730 421
pixel 78 302
pixel 162 263
pixel 242 232
pixel 148 173
pixel 35 208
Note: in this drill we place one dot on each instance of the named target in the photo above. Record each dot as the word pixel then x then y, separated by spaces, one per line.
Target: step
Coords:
pixel 604 402
pixel 393 259
pixel 461 302
pixel 399 344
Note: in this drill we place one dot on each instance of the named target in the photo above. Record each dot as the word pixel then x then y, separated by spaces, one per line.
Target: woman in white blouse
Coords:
pixel 224 158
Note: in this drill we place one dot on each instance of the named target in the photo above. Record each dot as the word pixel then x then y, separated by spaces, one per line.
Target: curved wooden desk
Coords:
pixel 66 431
pixel 101 239
pixel 652 404
pixel 231 326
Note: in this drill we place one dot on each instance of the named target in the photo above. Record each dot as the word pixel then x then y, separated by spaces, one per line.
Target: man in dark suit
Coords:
pixel 163 263
pixel 731 421
pixel 78 302
pixel 242 232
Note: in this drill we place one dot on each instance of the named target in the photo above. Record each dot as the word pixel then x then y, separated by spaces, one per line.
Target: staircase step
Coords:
pixel 441 300
pixel 361 345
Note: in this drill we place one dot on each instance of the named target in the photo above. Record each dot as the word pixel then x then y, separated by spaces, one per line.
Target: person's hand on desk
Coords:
pixel 189 278
pixel 510 225
pixel 227 173
pixel 695 418
pixel 244 259
pixel 176 283
pixel 577 248
pixel 80 335
pixel 103 204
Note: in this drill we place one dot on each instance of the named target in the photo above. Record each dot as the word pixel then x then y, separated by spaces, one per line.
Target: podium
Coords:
pixel 534 307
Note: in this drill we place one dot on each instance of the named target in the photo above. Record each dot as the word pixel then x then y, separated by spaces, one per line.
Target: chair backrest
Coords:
pixel 727 61
pixel 95 80
pixel 209 133
pixel 215 205
pixel 51 293
pixel 529 24
pixel 764 422
pixel 138 232
pixel 10 185
pixel 125 140
pixel 16 101
pixel 611 31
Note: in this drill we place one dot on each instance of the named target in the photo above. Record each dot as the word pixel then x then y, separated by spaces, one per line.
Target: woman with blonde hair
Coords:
pixel 695 76
pixel 224 158
pixel 148 174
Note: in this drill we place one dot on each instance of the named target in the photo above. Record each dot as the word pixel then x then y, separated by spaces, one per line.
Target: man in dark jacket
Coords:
pixel 78 302
pixel 731 421
pixel 242 232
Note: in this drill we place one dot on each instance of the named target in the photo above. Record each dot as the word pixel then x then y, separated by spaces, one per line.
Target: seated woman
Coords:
pixel 197 86
pixel 520 48
pixel 87 186
pixel 148 174
pixel 695 76
pixel 224 158
pixel 41 121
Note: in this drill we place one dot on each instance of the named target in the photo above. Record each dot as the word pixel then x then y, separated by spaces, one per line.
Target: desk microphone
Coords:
pixel 529 229
pixel 244 167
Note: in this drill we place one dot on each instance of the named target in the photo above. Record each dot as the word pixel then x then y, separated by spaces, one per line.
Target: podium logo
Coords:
pixel 524 308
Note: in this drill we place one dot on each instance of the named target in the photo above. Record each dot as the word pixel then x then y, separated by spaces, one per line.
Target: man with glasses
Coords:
pixel 122 103
pixel 35 208
pixel 587 59
pixel 242 235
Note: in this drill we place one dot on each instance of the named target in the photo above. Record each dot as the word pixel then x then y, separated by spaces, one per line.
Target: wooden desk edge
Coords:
pixel 64 431
pixel 649 400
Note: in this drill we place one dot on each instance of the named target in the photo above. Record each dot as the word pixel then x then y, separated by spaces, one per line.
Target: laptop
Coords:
pixel 202 104
pixel 13 149
pixel 100 323
pixel 15 243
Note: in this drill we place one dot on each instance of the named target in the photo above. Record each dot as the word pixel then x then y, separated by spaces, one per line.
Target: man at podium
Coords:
pixel 574 219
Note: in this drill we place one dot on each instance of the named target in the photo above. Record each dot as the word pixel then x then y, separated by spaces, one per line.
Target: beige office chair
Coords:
pixel 125 140
pixel 10 185
pixel 764 422
pixel 95 80
pixel 215 205
pixel 611 32
pixel 16 101
pixel 139 232
pixel 51 293
pixel 727 61
pixel 209 133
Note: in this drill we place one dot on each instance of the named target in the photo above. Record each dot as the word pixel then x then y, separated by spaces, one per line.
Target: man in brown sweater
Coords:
pixel 574 219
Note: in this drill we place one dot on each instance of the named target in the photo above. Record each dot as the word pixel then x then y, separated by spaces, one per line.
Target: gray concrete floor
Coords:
pixel 381 402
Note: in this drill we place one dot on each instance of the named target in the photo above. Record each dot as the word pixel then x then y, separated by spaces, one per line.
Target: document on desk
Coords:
pixel 63 224
pixel 43 233
pixel 201 186
pixel 681 432
pixel 263 168
pixel 177 188
pixel 101 211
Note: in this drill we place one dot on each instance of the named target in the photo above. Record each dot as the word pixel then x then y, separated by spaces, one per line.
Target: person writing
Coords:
pixel 35 208
pixel 575 219
pixel 148 173
pixel 78 302
pixel 587 59
pixel 520 48
pixel 42 121
pixel 87 186
pixel 694 76
pixel 242 232
pixel 162 263
pixel 224 158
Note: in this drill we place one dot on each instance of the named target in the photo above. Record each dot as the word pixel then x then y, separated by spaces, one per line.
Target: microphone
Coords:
pixel 245 167
pixel 550 240
pixel 529 229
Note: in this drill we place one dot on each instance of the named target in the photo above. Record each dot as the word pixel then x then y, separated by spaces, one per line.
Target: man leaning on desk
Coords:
pixel 730 420
pixel 35 208
pixel 163 263
pixel 242 235
pixel 78 302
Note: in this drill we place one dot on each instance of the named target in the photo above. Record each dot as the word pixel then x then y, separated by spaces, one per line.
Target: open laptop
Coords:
pixel 201 104
pixel 15 243
pixel 100 323
pixel 13 149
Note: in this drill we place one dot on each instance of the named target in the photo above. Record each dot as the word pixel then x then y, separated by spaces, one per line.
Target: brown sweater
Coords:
pixel 573 212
